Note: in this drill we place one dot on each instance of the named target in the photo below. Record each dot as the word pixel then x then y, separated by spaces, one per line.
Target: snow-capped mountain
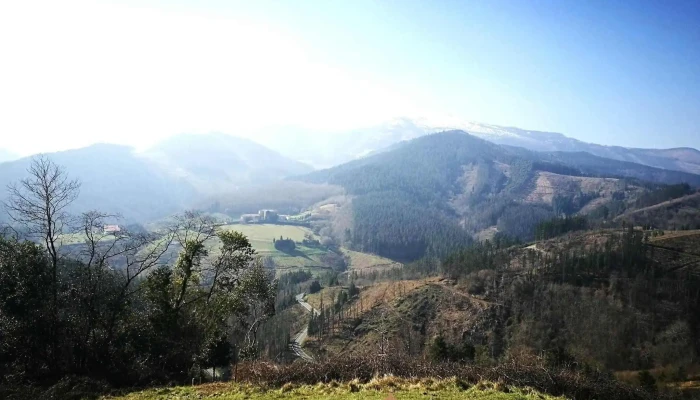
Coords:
pixel 329 149
pixel 679 159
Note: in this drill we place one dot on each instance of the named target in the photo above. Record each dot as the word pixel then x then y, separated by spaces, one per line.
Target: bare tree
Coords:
pixel 38 204
pixel 192 226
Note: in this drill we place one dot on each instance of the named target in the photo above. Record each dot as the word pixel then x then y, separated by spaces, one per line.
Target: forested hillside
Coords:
pixel 401 204
pixel 119 310
pixel 676 213
pixel 434 193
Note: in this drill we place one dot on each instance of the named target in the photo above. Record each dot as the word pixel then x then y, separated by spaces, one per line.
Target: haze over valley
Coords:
pixel 346 200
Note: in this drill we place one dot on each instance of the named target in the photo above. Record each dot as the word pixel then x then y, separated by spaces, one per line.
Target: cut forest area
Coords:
pixel 494 302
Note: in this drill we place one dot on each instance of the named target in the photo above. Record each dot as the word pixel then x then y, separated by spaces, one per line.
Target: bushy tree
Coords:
pixel 315 287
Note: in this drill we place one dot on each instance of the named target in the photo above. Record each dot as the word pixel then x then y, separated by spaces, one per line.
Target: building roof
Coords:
pixel 112 228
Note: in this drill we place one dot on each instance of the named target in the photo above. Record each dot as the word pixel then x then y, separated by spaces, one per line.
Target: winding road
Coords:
pixel 301 336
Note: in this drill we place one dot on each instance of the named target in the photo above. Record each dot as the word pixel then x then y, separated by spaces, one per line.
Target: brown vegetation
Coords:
pixel 524 372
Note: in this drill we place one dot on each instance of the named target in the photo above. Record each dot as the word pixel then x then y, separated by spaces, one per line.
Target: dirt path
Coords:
pixel 483 303
pixel 304 333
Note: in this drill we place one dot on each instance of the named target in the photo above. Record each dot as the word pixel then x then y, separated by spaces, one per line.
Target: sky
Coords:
pixel 73 73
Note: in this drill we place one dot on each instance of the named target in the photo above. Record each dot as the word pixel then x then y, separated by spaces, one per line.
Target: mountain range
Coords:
pixel 432 194
pixel 333 148
pixel 216 170
pixel 165 178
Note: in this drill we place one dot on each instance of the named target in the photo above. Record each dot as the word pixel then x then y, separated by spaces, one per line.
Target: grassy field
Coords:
pixel 389 388
pixel 79 238
pixel 261 235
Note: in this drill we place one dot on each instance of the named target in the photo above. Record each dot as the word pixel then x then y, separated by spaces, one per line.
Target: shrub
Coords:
pixel 285 245
pixel 315 287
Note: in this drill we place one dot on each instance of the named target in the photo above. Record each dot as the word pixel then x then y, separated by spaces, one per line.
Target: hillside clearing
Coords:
pixel 366 262
pixel 657 206
pixel 548 185
pixel 675 234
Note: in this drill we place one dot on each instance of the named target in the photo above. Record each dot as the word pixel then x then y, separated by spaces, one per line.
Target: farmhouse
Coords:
pixel 111 229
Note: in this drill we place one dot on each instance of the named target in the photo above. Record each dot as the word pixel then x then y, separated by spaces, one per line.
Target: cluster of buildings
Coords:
pixel 262 216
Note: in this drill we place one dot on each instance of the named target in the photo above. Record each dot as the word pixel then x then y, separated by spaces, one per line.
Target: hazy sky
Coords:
pixel 612 72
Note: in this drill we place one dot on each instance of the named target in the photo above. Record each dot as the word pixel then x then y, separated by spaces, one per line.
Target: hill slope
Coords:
pixel 612 300
pixel 416 198
pixel 216 162
pixel 171 176
pixel 679 213
pixel 114 180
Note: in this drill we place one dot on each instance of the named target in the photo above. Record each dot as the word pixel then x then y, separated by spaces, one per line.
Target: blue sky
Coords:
pixel 609 72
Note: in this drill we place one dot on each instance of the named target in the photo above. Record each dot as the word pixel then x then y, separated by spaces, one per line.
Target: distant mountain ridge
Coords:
pixel 217 162
pixel 167 178
pixel 339 147
pixel 680 159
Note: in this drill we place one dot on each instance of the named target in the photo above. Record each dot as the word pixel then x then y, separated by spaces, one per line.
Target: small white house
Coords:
pixel 112 229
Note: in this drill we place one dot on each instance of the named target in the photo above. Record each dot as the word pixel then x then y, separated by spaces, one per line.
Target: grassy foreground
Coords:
pixel 379 388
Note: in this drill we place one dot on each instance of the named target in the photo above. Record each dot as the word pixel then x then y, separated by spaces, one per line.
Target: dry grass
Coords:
pixel 326 296
pixel 397 371
pixel 675 234
pixel 548 184
pixel 387 292
pixel 370 296
pixel 385 387
pixel 368 262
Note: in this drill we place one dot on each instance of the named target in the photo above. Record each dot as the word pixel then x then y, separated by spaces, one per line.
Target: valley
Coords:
pixel 445 251
pixel 389 200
